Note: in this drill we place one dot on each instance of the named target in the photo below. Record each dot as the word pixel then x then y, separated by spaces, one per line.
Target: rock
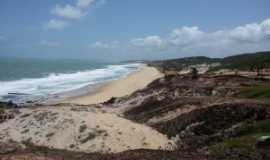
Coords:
pixel 263 142
pixel 11 147
pixel 110 101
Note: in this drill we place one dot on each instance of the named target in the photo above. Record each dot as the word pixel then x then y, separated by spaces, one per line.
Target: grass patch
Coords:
pixel 257 128
pixel 248 136
pixel 262 91
pixel 245 142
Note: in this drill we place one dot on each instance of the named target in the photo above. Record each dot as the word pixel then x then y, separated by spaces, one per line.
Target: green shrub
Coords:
pixel 247 136
pixel 262 91
pixel 257 128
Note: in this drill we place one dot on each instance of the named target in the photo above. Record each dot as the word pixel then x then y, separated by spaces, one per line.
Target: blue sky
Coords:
pixel 132 29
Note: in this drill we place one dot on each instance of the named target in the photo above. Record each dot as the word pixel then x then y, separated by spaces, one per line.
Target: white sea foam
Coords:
pixel 58 83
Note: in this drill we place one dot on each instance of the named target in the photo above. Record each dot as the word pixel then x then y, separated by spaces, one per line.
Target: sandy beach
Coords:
pixel 118 88
pixel 88 128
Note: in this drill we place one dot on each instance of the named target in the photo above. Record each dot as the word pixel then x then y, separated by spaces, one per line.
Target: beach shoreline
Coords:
pixel 117 88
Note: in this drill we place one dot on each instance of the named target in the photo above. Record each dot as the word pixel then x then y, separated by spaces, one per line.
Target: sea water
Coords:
pixel 27 79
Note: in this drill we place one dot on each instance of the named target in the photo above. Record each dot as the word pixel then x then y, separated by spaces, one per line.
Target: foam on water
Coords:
pixel 58 83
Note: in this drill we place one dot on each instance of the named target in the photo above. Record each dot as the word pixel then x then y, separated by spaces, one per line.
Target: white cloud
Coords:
pixel 56 24
pixel 147 41
pixel 85 3
pixel 68 12
pixel 76 11
pixel 109 45
pixel 49 43
pixel 192 40
pixel 266 26
pixel 250 37
pixel 249 32
pixel 185 35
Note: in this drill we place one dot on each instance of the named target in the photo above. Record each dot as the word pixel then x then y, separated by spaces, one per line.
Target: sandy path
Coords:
pixel 118 88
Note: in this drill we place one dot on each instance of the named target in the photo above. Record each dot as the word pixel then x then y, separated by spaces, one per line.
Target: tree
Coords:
pixel 194 73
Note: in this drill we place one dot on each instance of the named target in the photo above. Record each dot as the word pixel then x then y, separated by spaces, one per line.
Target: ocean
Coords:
pixel 24 80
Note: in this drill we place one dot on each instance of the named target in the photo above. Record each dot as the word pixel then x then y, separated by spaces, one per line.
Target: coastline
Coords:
pixel 118 88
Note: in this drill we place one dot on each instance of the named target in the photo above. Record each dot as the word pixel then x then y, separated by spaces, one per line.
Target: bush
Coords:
pixel 262 91
pixel 194 73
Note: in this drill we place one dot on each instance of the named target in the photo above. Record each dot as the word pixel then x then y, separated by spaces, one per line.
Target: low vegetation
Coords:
pixel 244 144
pixel 252 62
pixel 260 91
pixel 247 135
pixel 261 128
pixel 181 63
pixel 249 62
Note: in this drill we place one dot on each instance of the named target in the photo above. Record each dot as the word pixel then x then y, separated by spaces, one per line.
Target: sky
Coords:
pixel 116 30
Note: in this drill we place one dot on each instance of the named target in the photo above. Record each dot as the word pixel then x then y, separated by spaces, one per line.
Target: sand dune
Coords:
pixel 80 128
